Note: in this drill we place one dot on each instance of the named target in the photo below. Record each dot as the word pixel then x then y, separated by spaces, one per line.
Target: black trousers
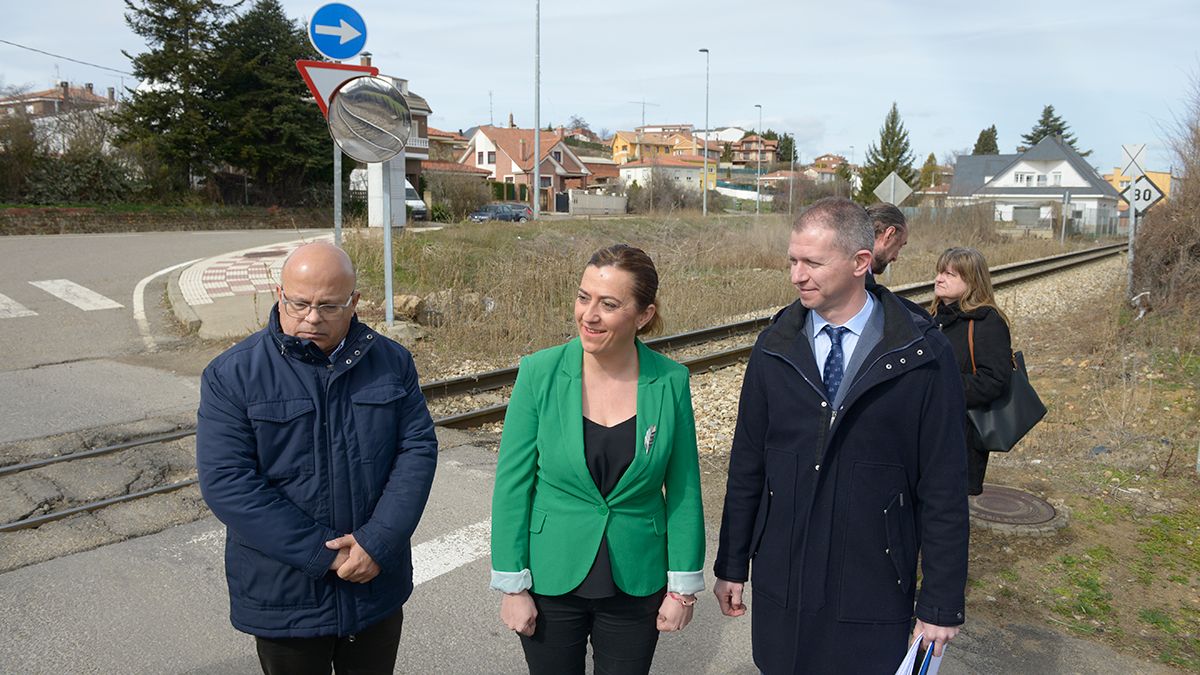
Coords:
pixel 371 652
pixel 623 630
pixel 977 461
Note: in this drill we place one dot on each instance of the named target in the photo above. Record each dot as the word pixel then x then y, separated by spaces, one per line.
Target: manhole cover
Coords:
pixel 1015 511
pixel 1011 506
pixel 270 253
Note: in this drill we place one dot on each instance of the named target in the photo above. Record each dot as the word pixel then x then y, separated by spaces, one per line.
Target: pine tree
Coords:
pixel 168 119
pixel 263 123
pixel 1051 125
pixel 930 173
pixel 987 144
pixel 891 154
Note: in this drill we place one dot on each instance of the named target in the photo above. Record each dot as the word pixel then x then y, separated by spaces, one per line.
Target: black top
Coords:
pixel 608 451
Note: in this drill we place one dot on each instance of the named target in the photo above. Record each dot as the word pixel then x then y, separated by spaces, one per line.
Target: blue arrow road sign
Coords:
pixel 337 31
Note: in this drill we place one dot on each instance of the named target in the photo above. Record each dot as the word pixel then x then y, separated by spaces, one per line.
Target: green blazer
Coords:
pixel 548 515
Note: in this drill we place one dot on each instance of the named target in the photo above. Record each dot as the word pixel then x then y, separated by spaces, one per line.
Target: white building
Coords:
pixel 683 173
pixel 1025 187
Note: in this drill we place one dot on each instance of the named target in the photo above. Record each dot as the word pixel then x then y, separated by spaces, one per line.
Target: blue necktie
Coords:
pixel 833 362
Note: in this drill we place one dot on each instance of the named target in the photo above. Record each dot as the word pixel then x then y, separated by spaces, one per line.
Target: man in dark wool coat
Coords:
pixel 848 460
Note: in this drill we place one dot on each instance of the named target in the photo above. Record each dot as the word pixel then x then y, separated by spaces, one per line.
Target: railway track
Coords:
pixel 494 380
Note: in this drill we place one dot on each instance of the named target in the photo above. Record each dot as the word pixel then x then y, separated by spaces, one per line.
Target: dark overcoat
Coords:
pixel 294 449
pixel 826 511
pixel 984 379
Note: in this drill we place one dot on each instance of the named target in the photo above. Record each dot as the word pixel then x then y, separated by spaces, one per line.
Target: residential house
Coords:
pixel 723 135
pixel 445 146
pixel 603 170
pixel 687 144
pixel 665 129
pixel 631 146
pixel 507 155
pixel 824 168
pixel 685 171
pixel 580 134
pixel 61 99
pixel 754 150
pixel 1026 187
pixel 453 168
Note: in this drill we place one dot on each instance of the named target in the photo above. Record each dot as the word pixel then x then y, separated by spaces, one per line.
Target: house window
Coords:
pixel 509 179
pixel 1023 179
pixel 1124 184
pixel 1041 180
pixel 546 181
pixel 479 157
pixel 491 157
pixel 1056 178
pixel 557 154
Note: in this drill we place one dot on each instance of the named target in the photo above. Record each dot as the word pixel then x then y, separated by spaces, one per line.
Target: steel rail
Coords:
pixel 463 420
pixel 1003 275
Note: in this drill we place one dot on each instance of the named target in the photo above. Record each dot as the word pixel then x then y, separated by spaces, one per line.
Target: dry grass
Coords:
pixel 710 271
pixel 1118 451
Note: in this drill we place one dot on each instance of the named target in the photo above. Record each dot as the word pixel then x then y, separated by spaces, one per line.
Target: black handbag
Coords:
pixel 1006 420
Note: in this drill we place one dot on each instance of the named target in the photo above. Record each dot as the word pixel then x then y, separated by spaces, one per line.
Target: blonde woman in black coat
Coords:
pixel 964 307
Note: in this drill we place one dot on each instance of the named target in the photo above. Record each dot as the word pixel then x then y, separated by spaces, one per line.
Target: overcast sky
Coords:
pixel 827 71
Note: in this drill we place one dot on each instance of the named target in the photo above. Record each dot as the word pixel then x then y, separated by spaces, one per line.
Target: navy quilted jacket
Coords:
pixel 294 449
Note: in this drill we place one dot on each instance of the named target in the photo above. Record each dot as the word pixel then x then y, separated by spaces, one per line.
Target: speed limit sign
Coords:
pixel 1142 194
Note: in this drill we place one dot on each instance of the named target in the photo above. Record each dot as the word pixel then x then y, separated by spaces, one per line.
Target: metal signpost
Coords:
pixel 370 120
pixel 323 79
pixel 1065 207
pixel 338 33
pixel 1141 194
pixel 893 190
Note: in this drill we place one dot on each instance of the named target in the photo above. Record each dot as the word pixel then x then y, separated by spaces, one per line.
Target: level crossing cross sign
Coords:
pixel 1142 194
pixel 337 31
pixel 1130 154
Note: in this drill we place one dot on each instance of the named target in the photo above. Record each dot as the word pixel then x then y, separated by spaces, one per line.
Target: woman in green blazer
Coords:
pixel 597 523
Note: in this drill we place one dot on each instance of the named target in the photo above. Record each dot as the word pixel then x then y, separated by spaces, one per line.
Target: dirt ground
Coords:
pixel 1118 450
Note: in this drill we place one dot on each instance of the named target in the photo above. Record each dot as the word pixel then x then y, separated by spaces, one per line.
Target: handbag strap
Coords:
pixel 971 343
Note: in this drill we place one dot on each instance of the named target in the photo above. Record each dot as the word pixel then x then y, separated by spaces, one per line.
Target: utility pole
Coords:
pixel 758 168
pixel 537 111
pixel 704 180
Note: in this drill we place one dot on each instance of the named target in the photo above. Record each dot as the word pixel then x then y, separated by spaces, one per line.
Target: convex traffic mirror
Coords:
pixel 369 119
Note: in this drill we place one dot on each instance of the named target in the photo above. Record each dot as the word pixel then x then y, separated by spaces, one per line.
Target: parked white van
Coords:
pixel 365 181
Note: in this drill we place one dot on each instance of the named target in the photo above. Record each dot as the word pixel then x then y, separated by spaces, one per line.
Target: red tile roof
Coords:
pixel 509 140
pixel 452 135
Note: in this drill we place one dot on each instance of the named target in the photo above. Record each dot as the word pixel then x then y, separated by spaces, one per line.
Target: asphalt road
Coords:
pixel 74 358
pixel 110 265
pixel 159 604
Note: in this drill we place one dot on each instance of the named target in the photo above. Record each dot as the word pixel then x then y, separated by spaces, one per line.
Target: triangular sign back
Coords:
pixel 323 78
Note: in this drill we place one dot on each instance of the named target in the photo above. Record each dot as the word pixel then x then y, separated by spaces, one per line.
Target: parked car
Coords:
pixel 413 201
pixel 501 211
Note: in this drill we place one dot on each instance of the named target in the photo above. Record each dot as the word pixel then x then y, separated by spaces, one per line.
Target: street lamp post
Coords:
pixel 537 111
pixel 707 132
pixel 758 169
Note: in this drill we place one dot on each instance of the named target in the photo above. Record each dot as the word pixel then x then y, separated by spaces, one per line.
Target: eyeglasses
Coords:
pixel 298 309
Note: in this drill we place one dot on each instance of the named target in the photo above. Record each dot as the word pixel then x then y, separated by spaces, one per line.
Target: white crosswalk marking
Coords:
pixel 83 298
pixel 11 309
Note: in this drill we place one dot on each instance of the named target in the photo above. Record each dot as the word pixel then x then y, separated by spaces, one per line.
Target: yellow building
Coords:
pixel 631 146
pixel 1120 181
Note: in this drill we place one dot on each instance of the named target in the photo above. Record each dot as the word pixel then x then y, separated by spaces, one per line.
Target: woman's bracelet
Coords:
pixel 681 599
